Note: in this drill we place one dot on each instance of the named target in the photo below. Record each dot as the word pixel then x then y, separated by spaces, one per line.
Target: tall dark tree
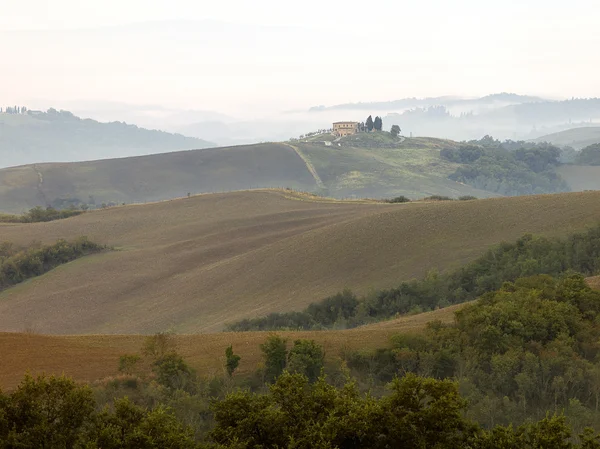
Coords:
pixel 369 123
pixel 378 123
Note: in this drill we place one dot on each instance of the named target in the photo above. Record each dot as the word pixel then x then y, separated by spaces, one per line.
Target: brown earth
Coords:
pixel 90 357
pixel 192 265
pixel 87 358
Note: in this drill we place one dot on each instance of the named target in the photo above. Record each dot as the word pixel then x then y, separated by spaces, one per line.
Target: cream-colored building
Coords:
pixel 345 128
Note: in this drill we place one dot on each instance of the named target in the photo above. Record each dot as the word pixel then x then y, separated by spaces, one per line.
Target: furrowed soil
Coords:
pixel 195 264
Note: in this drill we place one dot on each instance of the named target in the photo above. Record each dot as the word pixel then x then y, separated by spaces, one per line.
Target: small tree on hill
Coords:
pixel 395 130
pixel 275 353
pixel 306 357
pixel 232 360
pixel 369 123
pixel 378 123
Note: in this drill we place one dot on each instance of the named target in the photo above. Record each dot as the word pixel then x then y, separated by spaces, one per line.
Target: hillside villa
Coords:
pixel 341 129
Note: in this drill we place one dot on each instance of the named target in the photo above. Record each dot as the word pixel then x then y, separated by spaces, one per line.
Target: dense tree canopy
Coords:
pixel 507 168
pixel 589 155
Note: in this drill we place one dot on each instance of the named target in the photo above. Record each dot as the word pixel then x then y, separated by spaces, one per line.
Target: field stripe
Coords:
pixel 309 166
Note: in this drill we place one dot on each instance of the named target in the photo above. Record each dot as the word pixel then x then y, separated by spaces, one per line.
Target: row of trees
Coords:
pixel 528 256
pixel 18 265
pixel 14 110
pixel 39 214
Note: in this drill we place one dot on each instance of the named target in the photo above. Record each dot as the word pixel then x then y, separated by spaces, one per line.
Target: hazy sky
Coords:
pixel 251 57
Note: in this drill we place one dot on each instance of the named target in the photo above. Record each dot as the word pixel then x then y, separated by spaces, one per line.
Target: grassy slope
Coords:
pixel 194 264
pixel 577 138
pixel 364 167
pixel 155 177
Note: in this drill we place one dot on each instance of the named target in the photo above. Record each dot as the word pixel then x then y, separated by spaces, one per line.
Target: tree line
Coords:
pixel 39 214
pixel 18 265
pixel 14 110
pixel 528 256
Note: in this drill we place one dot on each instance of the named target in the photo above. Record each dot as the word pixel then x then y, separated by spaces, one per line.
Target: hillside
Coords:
pixel 577 138
pixel 88 358
pixel 377 165
pixel 193 265
pixel 60 136
pixel 374 166
pixel 152 178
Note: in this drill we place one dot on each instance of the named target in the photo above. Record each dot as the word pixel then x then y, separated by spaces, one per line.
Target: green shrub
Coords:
pixel 39 214
pixel 17 266
pixel 438 198
pixel 398 199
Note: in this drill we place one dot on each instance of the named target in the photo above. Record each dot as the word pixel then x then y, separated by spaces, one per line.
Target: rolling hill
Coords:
pixel 577 138
pixel 358 169
pixel 195 264
pixel 61 136
pixel 87 358
pixel 153 178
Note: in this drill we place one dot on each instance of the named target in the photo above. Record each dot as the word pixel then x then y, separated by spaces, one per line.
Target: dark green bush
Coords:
pixel 17 266
pixel 39 214
pixel 398 199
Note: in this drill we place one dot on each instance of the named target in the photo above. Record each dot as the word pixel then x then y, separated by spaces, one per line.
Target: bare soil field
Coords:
pixel 91 357
pixel 87 358
pixel 193 265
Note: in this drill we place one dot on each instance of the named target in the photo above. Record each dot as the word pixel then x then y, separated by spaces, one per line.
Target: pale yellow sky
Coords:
pixel 254 57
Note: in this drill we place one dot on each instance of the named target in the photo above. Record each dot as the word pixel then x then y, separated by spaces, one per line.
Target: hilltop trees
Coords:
pixel 378 123
pixel 14 110
pixel 374 124
pixel 395 130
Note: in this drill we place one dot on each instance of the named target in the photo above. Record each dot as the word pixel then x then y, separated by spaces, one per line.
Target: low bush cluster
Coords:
pixel 19 265
pixel 39 214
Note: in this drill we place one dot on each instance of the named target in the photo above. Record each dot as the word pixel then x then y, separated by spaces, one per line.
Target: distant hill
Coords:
pixel 502 98
pixel 365 165
pixel 195 264
pixel 577 138
pixel 59 136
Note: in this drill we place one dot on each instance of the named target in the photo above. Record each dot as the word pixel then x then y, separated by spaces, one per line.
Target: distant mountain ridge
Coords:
pixel 60 136
pixel 413 102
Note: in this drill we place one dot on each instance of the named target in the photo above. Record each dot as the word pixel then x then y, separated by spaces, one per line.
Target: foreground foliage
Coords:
pixel 416 413
pixel 529 255
pixel 532 346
